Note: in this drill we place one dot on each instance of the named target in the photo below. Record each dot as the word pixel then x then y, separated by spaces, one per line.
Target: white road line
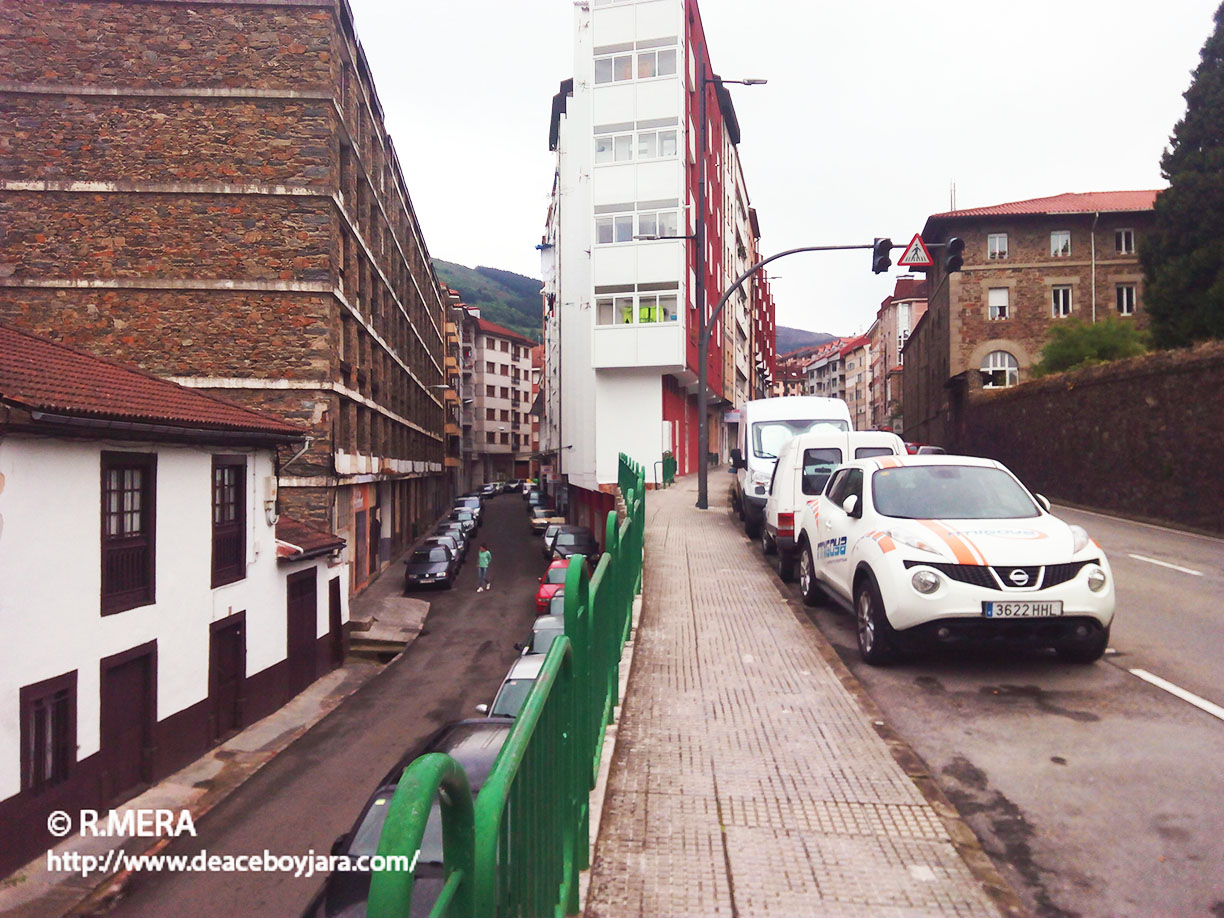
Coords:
pixel 1201 703
pixel 1122 519
pixel 1184 570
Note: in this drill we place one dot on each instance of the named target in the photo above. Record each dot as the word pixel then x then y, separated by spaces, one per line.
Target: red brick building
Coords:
pixel 208 191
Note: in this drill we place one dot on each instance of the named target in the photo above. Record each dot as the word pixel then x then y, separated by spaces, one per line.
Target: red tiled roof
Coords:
pixel 1070 203
pixel 42 375
pixel 492 328
pixel 297 540
pixel 854 343
pixel 910 288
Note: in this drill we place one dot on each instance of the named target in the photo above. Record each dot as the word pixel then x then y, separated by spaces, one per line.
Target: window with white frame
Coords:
pixel 996 246
pixel 659 223
pixel 656 63
pixel 656 144
pixel 614 148
pixel 642 309
pixel 611 229
pixel 1124 241
pixel 614 69
pixel 902 337
pixel 998 302
pixel 1060 243
pixel 1126 299
pixel 1060 301
pixel 1000 370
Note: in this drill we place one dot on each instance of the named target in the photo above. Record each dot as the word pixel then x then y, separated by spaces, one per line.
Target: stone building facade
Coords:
pixel 1027 266
pixel 208 191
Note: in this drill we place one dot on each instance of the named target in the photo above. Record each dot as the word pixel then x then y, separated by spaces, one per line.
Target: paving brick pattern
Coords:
pixel 747 780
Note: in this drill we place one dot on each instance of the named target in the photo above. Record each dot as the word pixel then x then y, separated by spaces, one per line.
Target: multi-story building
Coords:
pixel 645 207
pixel 230 213
pixel 154 600
pixel 452 402
pixel 825 375
pixel 1027 266
pixel 856 366
pixel 500 371
pixel 896 317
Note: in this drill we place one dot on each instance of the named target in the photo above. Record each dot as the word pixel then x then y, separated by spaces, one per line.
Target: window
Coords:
pixel 48 732
pixel 505 346
pixel 229 519
pixel 647 307
pixel 505 391
pixel 1126 299
pixel 490 414
pixel 655 144
pixel 128 546
pixel 614 310
pixel 996 246
pixel 491 391
pixel 1060 243
pixel 505 369
pixel 902 337
pixel 1061 302
pixel 1124 241
pixel 998 302
pixel 656 63
pixel 489 368
pixel 490 437
pixel 505 438
pixel 616 148
pixel 614 69
pixel 1000 370
pixel 818 465
pixel 614 229
pixel 659 223
pixel 652 308
pixel 505 415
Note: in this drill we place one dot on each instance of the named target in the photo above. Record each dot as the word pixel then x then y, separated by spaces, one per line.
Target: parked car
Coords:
pixel 465 518
pixel 474 744
pixel 949 550
pixel 450 541
pixel 551 533
pixel 552 581
pixel 543 631
pixel 455 531
pixel 515 485
pixel 556 604
pixel 489 489
pixel 801 470
pixel 541 518
pixel 535 498
pixel 924 449
pixel 576 543
pixel 514 688
pixel 475 504
pixel 431 565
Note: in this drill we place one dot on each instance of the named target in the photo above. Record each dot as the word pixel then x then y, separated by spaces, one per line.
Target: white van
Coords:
pixel 765 426
pixel 803 467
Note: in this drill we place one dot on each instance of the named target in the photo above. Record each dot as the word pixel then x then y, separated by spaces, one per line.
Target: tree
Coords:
pixel 1183 254
pixel 1079 344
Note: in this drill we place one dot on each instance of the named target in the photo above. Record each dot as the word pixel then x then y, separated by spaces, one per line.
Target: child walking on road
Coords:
pixel 482 568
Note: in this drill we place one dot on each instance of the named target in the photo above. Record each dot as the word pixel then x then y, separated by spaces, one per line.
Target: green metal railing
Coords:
pixel 518 850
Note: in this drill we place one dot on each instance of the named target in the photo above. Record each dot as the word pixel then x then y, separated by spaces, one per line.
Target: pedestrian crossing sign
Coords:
pixel 916 254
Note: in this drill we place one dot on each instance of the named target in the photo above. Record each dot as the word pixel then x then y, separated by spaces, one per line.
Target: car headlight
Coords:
pixel 912 541
pixel 1096 578
pixel 925 581
pixel 1080 535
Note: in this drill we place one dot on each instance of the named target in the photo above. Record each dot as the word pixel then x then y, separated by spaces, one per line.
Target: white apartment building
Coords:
pixel 623 274
pixel 496 363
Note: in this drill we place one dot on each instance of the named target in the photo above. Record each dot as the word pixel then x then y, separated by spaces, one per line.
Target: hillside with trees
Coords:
pixel 509 299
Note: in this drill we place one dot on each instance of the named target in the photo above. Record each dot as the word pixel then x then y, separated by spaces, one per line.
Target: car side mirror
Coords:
pixel 1041 499
pixel 850 505
pixel 482 708
pixel 339 843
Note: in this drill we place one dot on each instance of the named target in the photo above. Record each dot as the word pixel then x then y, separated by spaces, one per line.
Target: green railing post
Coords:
pixel 435 775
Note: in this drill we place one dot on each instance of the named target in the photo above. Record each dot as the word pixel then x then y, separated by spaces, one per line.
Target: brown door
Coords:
pixel 302 610
pixel 227 675
pixel 333 621
pixel 127 724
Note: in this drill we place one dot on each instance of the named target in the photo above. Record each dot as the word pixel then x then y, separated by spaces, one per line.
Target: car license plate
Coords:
pixel 1022 609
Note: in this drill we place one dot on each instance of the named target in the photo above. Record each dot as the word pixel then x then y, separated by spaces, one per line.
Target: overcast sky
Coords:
pixel 872 111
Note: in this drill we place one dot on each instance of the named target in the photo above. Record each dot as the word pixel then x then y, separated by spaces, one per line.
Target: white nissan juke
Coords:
pixel 934 550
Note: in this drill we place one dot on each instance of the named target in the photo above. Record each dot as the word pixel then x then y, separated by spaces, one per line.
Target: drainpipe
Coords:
pixel 1095 217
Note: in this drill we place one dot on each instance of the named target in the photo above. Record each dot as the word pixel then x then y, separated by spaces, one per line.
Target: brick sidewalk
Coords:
pixel 747 780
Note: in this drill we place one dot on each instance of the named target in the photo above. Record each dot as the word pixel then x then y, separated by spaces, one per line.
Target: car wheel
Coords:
pixel 767 545
pixel 874 632
pixel 752 527
pixel 1085 651
pixel 786 565
pixel 808 587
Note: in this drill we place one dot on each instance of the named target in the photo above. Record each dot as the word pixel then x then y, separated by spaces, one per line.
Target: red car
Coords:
pixel 552 582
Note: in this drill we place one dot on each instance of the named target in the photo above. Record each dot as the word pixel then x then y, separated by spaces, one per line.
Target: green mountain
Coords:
pixel 790 339
pixel 509 299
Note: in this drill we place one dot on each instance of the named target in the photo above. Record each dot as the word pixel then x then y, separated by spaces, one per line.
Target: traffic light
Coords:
pixel 881 255
pixel 953 250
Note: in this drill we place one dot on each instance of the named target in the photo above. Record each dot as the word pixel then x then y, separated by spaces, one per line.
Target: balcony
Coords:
pixel 453 430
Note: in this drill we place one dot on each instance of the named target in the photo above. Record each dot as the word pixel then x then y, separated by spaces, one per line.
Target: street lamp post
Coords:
pixel 703 350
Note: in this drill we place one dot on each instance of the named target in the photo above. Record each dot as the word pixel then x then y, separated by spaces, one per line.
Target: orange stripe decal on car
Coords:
pixel 890 463
pixel 963 550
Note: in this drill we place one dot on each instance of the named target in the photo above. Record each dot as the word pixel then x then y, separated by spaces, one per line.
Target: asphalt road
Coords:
pixel 1095 792
pixel 312 791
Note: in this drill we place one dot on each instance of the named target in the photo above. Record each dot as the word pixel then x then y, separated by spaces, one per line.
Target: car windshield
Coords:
pixel 463 514
pixel 567 538
pixel 555 575
pixel 958 492
pixel 437 553
pixel 769 436
pixel 541 512
pixel 543 637
pixel 509 700
pixel 365 839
